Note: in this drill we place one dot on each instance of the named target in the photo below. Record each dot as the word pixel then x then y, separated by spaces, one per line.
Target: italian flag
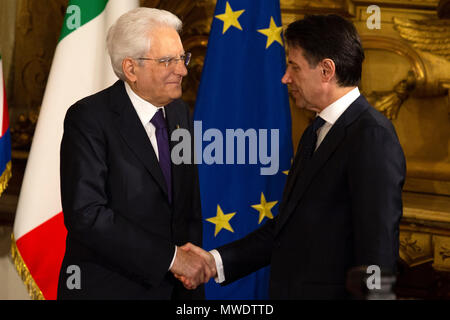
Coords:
pixel 81 67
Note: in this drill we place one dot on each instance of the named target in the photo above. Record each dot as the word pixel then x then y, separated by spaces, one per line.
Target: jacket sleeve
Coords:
pixel 249 254
pixel 376 174
pixel 84 195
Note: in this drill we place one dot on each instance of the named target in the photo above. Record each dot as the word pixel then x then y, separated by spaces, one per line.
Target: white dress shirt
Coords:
pixel 145 111
pixel 330 114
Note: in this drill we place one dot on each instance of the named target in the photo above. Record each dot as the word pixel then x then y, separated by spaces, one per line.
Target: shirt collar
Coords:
pixel 331 113
pixel 144 109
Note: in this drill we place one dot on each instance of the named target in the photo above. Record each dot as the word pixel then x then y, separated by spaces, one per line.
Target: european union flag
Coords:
pixel 243 131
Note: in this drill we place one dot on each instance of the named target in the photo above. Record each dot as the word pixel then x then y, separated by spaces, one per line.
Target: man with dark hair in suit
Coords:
pixel 342 202
pixel 126 205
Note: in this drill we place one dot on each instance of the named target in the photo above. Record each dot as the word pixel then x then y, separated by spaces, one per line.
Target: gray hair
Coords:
pixel 128 36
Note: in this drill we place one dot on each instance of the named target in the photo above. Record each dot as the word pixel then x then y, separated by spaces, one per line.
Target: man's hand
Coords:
pixel 192 268
pixel 205 263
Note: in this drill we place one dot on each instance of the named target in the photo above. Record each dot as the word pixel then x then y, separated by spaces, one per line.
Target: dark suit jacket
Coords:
pixel 341 209
pixel 122 231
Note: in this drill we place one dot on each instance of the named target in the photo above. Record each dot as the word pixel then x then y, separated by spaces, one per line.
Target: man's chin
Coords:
pixel 300 104
pixel 178 94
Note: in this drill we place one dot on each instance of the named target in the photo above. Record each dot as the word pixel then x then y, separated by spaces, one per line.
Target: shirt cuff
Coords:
pixel 173 259
pixel 219 266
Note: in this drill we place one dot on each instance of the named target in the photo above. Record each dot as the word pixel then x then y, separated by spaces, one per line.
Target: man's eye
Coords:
pixel 165 60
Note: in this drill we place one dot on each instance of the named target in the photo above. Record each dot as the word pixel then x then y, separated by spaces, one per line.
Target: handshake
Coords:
pixel 193 266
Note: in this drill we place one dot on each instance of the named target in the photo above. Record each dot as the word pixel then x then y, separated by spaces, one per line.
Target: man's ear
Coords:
pixel 328 69
pixel 129 69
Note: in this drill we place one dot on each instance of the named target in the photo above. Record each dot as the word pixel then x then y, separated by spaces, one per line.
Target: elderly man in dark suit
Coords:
pixel 342 202
pixel 126 205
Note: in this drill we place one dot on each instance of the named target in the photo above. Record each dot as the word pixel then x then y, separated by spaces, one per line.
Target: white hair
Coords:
pixel 128 36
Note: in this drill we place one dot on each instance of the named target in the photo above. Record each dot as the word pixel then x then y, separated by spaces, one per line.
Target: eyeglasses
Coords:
pixel 171 61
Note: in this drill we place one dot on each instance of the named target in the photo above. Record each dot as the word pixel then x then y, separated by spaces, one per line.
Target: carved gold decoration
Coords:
pixel 313 4
pixel 431 36
pixel 421 43
pixel 415 248
pixel 23 130
pixel 427 35
pixel 442 253
pixel 389 102
pixel 425 231
pixel 393 45
pixel 37 32
pixel 402 3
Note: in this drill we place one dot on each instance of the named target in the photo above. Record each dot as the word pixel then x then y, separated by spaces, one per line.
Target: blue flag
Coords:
pixel 242 131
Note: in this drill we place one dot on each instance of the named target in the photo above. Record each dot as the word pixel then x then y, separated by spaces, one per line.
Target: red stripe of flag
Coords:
pixel 42 249
pixel 5 120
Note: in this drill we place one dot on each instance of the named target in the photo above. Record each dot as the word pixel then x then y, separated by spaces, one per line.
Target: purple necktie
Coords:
pixel 162 137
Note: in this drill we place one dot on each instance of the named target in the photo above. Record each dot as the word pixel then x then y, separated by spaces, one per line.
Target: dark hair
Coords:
pixel 332 37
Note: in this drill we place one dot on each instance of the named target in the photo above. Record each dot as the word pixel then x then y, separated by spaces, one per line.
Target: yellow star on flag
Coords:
pixel 273 33
pixel 264 208
pixel 221 221
pixel 230 18
pixel 287 171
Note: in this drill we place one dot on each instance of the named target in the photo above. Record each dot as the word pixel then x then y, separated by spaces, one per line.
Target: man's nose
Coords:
pixel 286 78
pixel 181 69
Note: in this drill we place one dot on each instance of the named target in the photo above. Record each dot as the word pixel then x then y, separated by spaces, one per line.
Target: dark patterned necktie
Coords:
pixel 316 125
pixel 307 144
pixel 311 138
pixel 162 138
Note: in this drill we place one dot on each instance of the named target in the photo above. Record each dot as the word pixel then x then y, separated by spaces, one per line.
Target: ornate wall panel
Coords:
pixel 7 37
pixel 405 77
pixel 37 32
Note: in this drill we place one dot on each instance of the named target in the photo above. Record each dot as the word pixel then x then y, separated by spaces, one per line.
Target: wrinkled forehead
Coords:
pixel 294 52
pixel 165 41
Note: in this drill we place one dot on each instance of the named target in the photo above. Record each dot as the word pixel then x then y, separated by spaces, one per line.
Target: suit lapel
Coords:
pixel 294 171
pixel 305 175
pixel 134 135
pixel 174 122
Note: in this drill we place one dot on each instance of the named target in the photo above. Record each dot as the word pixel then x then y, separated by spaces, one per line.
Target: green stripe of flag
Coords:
pixel 80 12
